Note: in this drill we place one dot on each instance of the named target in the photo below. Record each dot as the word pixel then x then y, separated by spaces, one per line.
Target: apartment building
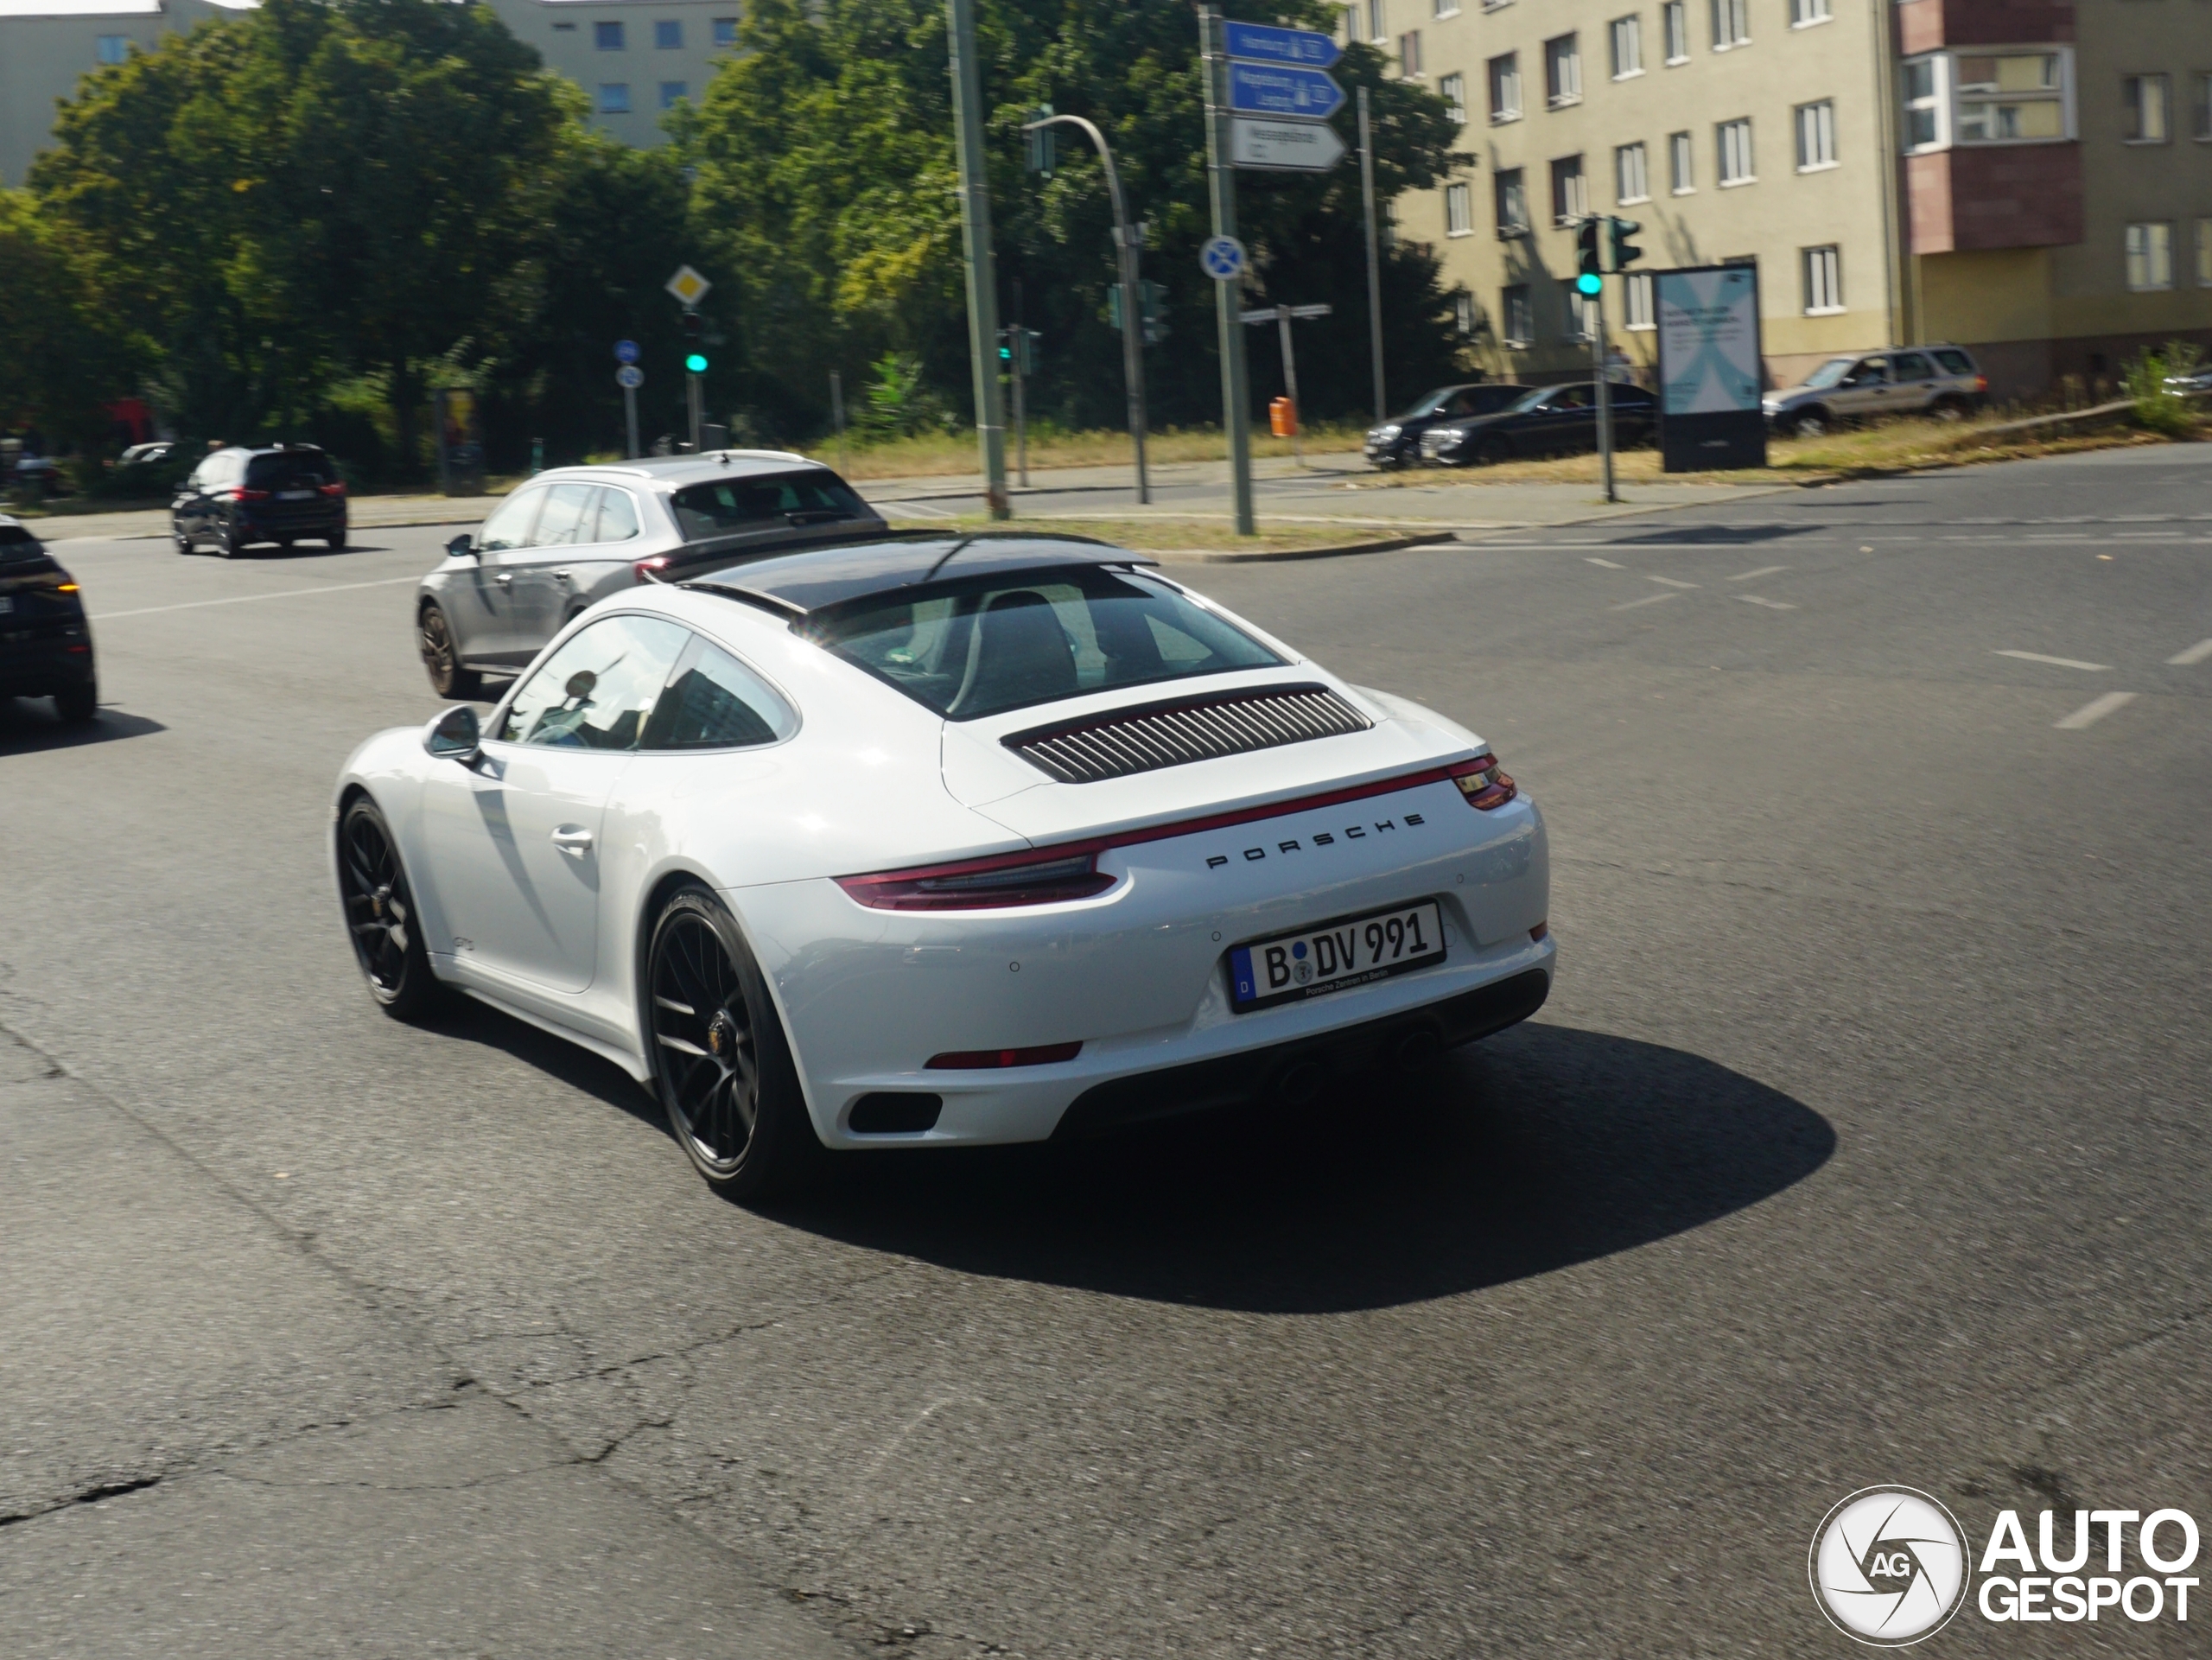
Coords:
pixel 635 59
pixel 2029 178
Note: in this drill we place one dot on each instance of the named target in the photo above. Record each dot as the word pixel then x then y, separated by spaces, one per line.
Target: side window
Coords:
pixel 618 516
pixel 567 519
pixel 716 702
pixel 1956 363
pixel 509 524
pixel 596 692
pixel 1911 366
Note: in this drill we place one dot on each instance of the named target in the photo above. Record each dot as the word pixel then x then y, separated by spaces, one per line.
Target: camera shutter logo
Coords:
pixel 1889 1566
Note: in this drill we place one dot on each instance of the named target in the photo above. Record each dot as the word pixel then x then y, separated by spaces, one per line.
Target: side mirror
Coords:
pixel 455 736
pixel 462 547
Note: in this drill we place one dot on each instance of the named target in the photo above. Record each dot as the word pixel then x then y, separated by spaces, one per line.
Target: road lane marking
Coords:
pixel 2060 662
pixel 1763 570
pixel 1649 599
pixel 2196 653
pixel 241 599
pixel 1771 605
pixel 2095 711
pixel 1607 564
pixel 1669 582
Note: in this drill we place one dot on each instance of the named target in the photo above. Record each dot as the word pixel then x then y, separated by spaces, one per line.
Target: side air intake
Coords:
pixel 1172 735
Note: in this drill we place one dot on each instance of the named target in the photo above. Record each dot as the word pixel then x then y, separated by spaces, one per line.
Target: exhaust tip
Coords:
pixel 1417 1049
pixel 1300 1083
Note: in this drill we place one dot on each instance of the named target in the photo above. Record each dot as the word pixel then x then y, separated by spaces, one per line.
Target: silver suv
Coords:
pixel 1939 380
pixel 577 534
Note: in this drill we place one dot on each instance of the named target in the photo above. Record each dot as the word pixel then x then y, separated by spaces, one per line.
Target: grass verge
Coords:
pixel 939 454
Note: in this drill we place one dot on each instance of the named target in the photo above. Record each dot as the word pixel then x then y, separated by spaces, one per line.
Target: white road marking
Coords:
pixel 2095 711
pixel 2061 662
pixel 241 599
pixel 2196 653
pixel 1607 564
pixel 1771 605
pixel 1763 570
pixel 1649 599
pixel 1669 582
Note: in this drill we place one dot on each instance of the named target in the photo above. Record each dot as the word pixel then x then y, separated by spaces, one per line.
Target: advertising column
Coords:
pixel 1709 369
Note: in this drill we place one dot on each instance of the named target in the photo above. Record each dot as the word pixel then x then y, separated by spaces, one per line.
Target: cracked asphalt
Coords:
pixel 1862 1142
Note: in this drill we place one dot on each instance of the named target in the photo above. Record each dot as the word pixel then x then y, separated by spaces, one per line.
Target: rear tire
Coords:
pixel 380 916
pixel 180 541
pixel 336 542
pixel 1812 423
pixel 77 705
pixel 227 543
pixel 449 677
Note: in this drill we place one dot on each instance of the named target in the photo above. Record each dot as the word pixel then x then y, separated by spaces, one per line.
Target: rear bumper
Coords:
pixel 40 668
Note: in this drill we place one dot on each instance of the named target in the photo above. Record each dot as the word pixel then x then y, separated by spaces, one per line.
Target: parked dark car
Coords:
pixel 1548 421
pixel 1396 443
pixel 45 645
pixel 238 497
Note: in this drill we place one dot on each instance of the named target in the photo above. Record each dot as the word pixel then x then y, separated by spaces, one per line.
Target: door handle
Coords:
pixel 505 577
pixel 570 838
pixel 562 574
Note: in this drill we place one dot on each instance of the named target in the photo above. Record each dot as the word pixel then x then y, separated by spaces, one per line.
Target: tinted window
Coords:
pixel 1488 400
pixel 570 513
pixel 732 504
pixel 1829 373
pixel 976 647
pixel 295 470
pixel 509 524
pixel 1913 367
pixel 618 516
pixel 596 691
pixel 716 702
pixel 1957 362
pixel 1626 397
pixel 1871 371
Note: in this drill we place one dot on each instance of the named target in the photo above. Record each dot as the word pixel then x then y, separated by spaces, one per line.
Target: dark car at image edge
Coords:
pixel 46 644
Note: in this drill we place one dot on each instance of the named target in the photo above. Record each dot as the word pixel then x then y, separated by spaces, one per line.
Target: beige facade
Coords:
pixel 1932 169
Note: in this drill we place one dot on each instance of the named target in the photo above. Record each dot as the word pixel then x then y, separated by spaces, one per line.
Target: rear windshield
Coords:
pixel 302 470
pixel 981 646
pixel 732 504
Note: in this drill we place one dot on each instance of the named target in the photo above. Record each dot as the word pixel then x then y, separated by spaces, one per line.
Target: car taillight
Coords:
pixel 1484 783
pixel 1982 382
pixel 649 570
pixel 336 489
pixel 65 588
pixel 248 495
pixel 968 1060
pixel 1050 878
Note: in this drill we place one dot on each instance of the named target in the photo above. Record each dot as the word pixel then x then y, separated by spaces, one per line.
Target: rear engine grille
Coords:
pixel 1170 734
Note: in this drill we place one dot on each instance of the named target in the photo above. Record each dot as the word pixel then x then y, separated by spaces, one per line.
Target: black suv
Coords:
pixel 46 649
pixel 238 497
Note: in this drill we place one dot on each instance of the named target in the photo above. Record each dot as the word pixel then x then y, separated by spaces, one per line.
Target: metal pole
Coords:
pixel 975 243
pixel 1236 417
pixel 1597 315
pixel 1290 383
pixel 1374 257
pixel 1128 240
pixel 698 410
pixel 630 417
pixel 837 413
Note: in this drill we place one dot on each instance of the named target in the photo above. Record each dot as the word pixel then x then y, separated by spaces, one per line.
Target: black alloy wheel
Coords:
pixel 228 543
pixel 380 915
pixel 441 658
pixel 725 1072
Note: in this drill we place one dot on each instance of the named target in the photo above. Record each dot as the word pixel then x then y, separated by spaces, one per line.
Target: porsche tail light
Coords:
pixel 967 1060
pixel 334 489
pixel 649 570
pixel 1483 782
pixel 1048 878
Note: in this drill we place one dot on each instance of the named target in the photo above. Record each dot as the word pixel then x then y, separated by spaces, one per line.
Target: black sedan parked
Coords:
pixel 46 648
pixel 238 497
pixel 1397 441
pixel 1550 421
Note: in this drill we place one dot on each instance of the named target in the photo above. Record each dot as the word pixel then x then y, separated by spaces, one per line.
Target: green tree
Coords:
pixel 62 355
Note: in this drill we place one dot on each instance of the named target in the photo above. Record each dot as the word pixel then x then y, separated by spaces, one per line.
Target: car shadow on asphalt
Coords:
pixel 1543 1147
pixel 28 726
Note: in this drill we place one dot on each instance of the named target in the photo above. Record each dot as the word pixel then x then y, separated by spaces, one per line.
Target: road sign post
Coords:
pixel 1222 182
pixel 975 243
pixel 1258 145
pixel 1282 317
pixel 629 378
pixel 1286 94
pixel 837 413
pixel 1374 256
pixel 1269 43
pixel 689 288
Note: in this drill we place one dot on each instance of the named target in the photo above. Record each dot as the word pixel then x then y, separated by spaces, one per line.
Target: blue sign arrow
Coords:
pixel 1286 94
pixel 1264 43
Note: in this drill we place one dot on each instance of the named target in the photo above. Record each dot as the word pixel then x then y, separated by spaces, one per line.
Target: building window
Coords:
pixel 673 92
pixel 1805 13
pixel 2199 125
pixel 1570 190
pixel 1452 89
pixel 1520 319
pixel 607 37
pixel 725 31
pixel 1447 8
pixel 2007 98
pixel 1626 36
pixel 2204 253
pixel 615 97
pixel 1815 136
pixel 1732 23
pixel 668 35
pixel 1459 210
pixel 1923 104
pixel 1512 202
pixel 1352 23
pixel 1637 300
pixel 110 48
pixel 1823 270
pixel 1378 23
pixel 1577 312
pixel 1505 87
pixel 1409 53
pixel 1631 178
pixel 1463 314
pixel 1562 71
pixel 1734 149
pixel 2150 256
pixel 1674 23
pixel 1681 177
pixel 2146 100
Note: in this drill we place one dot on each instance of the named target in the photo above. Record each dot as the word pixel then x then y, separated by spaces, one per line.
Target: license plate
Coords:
pixel 1352 952
pixel 295 495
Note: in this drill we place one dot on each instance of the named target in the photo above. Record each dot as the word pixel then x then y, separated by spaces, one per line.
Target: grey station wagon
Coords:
pixel 575 534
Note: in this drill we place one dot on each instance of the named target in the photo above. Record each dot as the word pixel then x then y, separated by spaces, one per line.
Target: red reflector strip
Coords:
pixel 973 1061
pixel 1540 932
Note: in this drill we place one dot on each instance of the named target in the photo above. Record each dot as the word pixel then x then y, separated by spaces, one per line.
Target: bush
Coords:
pixel 2158 405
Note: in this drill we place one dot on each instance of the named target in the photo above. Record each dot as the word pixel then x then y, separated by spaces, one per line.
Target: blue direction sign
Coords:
pixel 1286 94
pixel 1264 44
pixel 625 351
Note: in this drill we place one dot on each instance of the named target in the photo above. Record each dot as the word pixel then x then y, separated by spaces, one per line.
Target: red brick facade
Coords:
pixel 1924 25
pixel 1994 196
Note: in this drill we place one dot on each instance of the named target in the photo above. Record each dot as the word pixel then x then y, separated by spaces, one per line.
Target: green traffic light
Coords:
pixel 696 363
pixel 1588 283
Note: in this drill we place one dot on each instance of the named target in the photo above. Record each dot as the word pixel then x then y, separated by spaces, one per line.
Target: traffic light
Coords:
pixel 1006 346
pixel 1042 146
pixel 1591 278
pixel 1625 253
pixel 695 343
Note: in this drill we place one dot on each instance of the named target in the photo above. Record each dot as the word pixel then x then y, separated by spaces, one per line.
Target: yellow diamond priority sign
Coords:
pixel 688 285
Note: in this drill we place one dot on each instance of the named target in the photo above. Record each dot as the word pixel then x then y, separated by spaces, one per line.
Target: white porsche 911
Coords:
pixel 935 840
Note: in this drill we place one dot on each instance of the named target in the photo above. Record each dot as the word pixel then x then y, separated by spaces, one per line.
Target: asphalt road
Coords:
pixel 1862 1142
